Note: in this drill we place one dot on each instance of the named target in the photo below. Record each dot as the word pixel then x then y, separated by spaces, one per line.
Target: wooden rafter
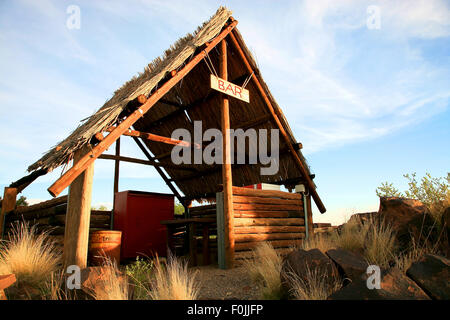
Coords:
pixel 69 176
pixel 155 138
pixel 298 161
pixel 158 169
pixel 147 162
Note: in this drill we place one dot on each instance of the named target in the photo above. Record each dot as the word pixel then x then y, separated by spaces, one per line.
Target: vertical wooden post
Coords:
pixel 76 235
pixel 226 166
pixel 310 219
pixel 116 167
pixel 8 204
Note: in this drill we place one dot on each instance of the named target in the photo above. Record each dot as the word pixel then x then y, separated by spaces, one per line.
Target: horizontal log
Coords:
pixel 262 200
pixel 203 208
pixel 241 255
pixel 41 205
pixel 267 236
pixel 37 214
pixel 270 229
pixel 266 207
pixel 238 191
pixel 242 246
pixel 266 214
pixel 245 222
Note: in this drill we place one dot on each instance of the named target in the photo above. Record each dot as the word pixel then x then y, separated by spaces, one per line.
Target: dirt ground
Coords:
pixel 232 284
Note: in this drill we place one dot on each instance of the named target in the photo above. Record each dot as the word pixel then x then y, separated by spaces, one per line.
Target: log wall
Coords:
pixel 264 216
pixel 50 216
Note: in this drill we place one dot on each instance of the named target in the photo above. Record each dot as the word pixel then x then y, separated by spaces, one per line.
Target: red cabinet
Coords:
pixel 138 214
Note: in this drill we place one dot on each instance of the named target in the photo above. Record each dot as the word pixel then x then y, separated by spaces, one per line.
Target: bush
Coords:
pixel 140 272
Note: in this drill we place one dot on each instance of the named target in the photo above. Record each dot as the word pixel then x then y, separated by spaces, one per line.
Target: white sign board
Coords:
pixel 230 89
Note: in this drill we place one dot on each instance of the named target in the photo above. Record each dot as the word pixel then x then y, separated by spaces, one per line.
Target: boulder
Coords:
pixel 350 265
pixel 394 285
pixel 432 273
pixel 301 262
pixel 409 218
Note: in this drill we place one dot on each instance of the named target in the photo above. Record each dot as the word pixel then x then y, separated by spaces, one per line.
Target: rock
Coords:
pixel 299 262
pixel 351 265
pixel 409 218
pixel 432 274
pixel 361 217
pixel 394 285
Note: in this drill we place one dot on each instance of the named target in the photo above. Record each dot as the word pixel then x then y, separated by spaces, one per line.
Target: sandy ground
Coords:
pixel 232 284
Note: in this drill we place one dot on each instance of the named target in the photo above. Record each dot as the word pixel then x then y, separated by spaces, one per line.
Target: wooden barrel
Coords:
pixel 104 243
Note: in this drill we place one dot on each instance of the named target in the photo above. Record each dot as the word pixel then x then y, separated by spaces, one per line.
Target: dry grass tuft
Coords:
pixel 30 256
pixel 173 281
pixel 323 242
pixel 114 286
pixel 380 247
pixel 316 286
pixel 265 267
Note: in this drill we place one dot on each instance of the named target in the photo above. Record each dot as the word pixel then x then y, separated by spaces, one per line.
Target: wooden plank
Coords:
pixel 220 231
pixel 283 132
pixel 261 200
pixel 267 236
pixel 266 214
pixel 226 163
pixel 266 207
pixel 156 138
pixel 245 222
pixel 239 191
pixel 229 88
pixel 70 175
pixel 268 229
pixel 76 234
pixel 275 243
pixel 38 214
pixel 8 205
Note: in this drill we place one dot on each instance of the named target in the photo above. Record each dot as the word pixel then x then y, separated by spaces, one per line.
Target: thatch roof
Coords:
pixel 190 100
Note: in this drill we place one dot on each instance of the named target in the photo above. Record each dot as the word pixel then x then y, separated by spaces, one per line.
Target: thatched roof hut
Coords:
pixel 189 99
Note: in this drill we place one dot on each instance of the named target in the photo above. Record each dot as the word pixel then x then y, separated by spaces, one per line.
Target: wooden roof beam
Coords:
pixel 298 161
pixel 146 162
pixel 70 175
pixel 156 138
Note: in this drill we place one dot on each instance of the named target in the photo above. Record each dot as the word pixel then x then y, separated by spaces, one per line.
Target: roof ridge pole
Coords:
pixel 283 132
pixel 226 164
pixel 70 175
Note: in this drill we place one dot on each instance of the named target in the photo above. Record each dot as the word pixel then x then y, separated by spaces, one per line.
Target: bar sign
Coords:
pixel 230 89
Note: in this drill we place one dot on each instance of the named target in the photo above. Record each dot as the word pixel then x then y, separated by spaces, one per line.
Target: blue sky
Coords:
pixel 368 104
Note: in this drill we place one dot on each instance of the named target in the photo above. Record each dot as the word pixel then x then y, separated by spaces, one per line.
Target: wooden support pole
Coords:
pixel 67 178
pixel 116 167
pixel 226 164
pixel 8 205
pixel 78 215
pixel 298 161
